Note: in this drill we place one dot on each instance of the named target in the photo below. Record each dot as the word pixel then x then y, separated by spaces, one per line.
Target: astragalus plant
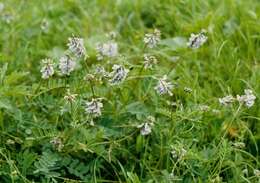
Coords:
pixel 129 91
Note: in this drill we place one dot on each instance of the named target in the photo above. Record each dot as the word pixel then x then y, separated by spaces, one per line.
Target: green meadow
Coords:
pixel 129 91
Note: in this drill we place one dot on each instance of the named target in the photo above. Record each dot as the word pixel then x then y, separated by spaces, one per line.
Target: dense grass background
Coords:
pixel 113 150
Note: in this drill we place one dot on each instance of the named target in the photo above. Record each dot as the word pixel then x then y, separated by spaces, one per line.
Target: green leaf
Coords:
pixel 47 163
pixel 136 108
pixel 26 160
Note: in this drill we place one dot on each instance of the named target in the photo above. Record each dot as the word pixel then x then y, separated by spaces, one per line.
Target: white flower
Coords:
pixel 76 46
pixel 226 100
pixel 248 99
pixel 163 87
pixel 197 40
pixel 118 74
pixel 70 97
pixel 94 107
pixel 109 49
pixel 66 65
pixel 257 173
pixel 47 69
pixel 151 40
pixel 146 127
pixel 100 71
pixel 149 61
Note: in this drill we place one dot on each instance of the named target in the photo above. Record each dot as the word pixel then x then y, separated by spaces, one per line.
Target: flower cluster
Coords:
pixel 94 107
pixel 100 71
pixel 69 97
pixel 247 99
pixel 149 61
pixel 226 100
pixel 118 74
pixel 164 87
pixel 146 127
pixel 66 65
pixel 109 49
pixel 197 40
pixel 151 40
pixel 76 46
pixel 47 69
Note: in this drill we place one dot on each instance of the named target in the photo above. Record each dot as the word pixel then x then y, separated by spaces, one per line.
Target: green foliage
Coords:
pixel 76 168
pixel 25 160
pixel 47 164
pixel 48 135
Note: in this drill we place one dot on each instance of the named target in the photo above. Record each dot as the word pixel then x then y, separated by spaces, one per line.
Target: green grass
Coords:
pixel 193 125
